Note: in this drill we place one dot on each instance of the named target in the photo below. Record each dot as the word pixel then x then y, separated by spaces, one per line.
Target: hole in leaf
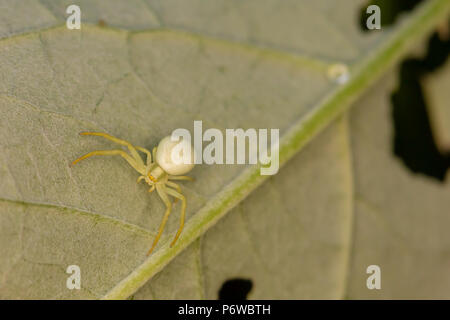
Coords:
pixel 390 10
pixel 413 138
pixel 235 289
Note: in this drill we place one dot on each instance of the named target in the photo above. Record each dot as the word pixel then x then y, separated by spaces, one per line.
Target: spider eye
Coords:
pixel 175 157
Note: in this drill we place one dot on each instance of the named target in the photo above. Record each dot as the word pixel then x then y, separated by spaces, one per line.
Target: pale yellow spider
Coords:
pixel 157 174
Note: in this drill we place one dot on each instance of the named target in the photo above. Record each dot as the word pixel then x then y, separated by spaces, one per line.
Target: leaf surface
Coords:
pixel 400 218
pixel 138 70
pixel 435 87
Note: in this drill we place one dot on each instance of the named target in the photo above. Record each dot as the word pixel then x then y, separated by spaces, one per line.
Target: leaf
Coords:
pixel 400 218
pixel 436 92
pixel 139 78
pixel 344 203
pixel 296 226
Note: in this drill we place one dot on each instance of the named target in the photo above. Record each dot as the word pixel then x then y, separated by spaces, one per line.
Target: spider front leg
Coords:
pixel 161 189
pixel 148 153
pixel 121 153
pixel 178 195
pixel 152 188
pixel 140 178
pixel 130 147
pixel 175 186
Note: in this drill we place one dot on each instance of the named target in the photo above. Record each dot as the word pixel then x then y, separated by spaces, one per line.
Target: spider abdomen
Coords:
pixel 181 150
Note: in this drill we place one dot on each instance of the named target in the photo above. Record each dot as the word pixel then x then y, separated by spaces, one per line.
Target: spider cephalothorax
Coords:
pixel 157 174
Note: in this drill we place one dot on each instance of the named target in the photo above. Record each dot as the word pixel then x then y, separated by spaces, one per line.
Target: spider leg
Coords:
pixel 175 186
pixel 162 193
pixel 177 195
pixel 152 188
pixel 181 178
pixel 148 153
pixel 132 149
pixel 121 153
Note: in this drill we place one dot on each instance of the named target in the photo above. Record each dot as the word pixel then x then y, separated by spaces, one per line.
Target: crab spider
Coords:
pixel 157 174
